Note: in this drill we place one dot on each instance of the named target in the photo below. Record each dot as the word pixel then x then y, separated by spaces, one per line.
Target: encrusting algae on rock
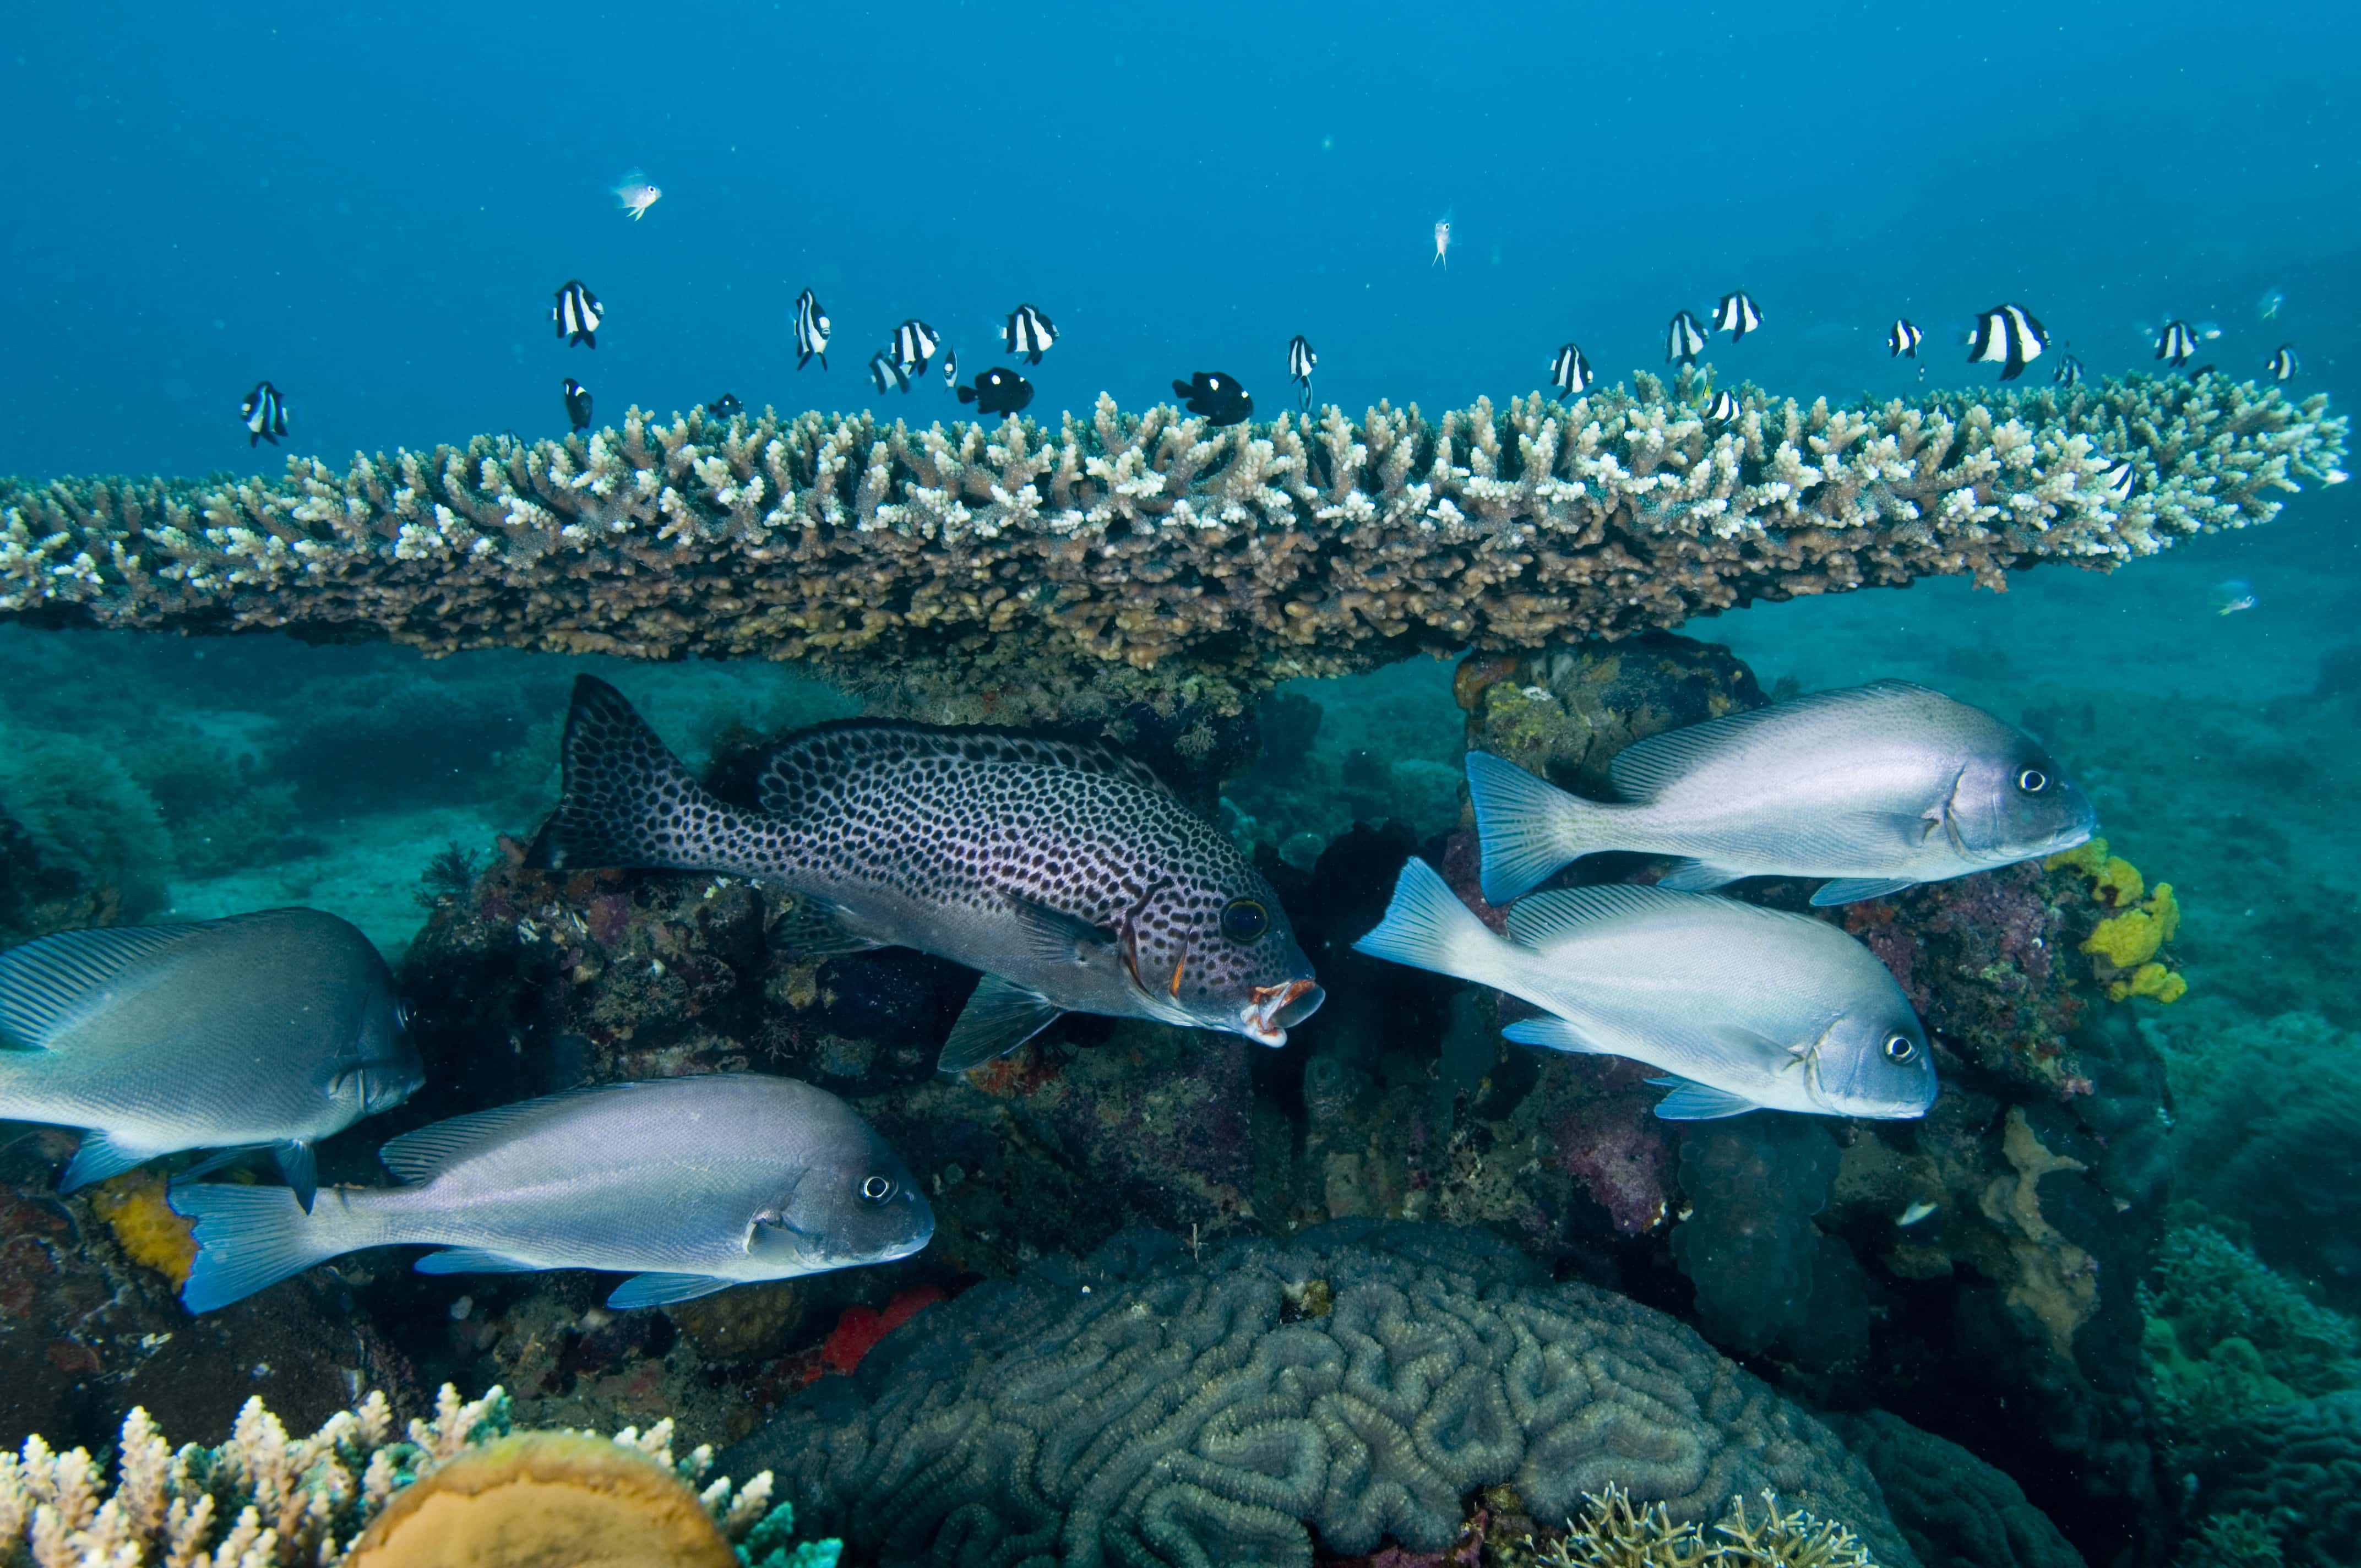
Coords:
pixel 2124 946
pixel 459 1491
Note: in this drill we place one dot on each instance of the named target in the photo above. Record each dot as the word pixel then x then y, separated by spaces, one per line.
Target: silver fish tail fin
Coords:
pixel 627 801
pixel 1527 827
pixel 251 1237
pixel 1427 926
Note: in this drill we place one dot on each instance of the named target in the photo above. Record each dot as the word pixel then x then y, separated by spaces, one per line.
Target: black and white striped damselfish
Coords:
pixel 1569 372
pixel 2009 337
pixel 577 404
pixel 1736 315
pixel 2069 372
pixel 1902 339
pixel 2120 479
pixel 1028 334
pixel 265 413
pixel 811 330
pixel 2282 365
pixel 914 344
pixel 1684 339
pixel 576 314
pixel 2176 342
pixel 1069 875
pixel 1299 361
pixel 886 372
pixel 1722 408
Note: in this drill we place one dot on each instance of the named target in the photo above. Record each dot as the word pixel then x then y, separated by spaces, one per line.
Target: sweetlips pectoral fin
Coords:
pixel 99 1158
pixel 1693 1101
pixel 1000 1017
pixel 660 1290
pixel 472 1260
pixel 1056 936
pixel 301 1169
pixel 1852 889
pixel 813 928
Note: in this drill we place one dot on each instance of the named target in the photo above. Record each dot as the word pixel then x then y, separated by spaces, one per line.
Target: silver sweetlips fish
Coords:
pixel 694 1184
pixel 1879 787
pixel 271 1029
pixel 1746 1008
pixel 1070 876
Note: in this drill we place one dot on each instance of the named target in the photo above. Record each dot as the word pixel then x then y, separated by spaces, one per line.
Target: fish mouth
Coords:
pixel 1271 1009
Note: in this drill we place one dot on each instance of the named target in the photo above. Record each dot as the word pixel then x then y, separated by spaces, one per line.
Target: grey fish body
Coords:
pixel 278 1029
pixel 1070 876
pixel 691 1184
pixel 1876 787
pixel 1749 1008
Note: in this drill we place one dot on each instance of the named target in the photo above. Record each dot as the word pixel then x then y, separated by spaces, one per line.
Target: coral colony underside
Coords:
pixel 1067 560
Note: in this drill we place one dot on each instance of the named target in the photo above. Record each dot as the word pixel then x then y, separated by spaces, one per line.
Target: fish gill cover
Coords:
pixel 974 555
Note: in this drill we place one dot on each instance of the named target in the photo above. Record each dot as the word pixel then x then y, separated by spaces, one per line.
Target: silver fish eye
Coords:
pixel 2033 781
pixel 877 1188
pixel 1900 1048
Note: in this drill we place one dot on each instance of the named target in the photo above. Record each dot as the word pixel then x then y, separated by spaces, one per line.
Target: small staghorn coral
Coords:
pixel 980 557
pixel 1611 1533
pixel 263 1499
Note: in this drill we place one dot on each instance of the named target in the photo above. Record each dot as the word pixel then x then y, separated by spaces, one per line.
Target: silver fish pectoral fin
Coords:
pixel 472 1260
pixel 301 1170
pixel 1693 1101
pixel 100 1157
pixel 662 1290
pixel 1853 889
pixel 999 1017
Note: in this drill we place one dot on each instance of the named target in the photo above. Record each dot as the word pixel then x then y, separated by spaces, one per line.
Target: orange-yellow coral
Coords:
pixel 134 1208
pixel 2115 881
pixel 2150 979
pixel 2122 947
pixel 545 1499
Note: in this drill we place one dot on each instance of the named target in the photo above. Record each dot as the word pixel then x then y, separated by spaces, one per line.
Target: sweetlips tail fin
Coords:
pixel 1527 827
pixel 1427 926
pixel 252 1237
pixel 627 801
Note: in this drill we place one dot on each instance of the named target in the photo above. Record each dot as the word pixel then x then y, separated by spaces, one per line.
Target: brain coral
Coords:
pixel 1143 1406
pixel 2297 1467
pixel 1957 1510
pixel 982 557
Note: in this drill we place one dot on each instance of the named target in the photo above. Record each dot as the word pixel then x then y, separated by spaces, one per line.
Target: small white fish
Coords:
pixel 635 195
pixel 1442 242
pixel 2269 305
pixel 1916 1212
pixel 2234 596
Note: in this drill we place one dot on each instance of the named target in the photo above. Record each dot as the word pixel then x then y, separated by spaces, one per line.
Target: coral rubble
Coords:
pixel 1034 557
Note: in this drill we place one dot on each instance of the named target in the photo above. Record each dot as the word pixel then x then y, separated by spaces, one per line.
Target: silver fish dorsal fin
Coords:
pixel 806 768
pixel 49 983
pixel 1544 918
pixel 416 1156
pixel 1645 769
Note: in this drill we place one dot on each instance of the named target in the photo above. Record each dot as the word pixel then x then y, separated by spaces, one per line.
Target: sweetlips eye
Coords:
pixel 2033 781
pixel 877 1188
pixel 1900 1048
pixel 1244 920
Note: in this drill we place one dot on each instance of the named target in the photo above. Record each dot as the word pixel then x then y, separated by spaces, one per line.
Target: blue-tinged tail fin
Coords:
pixel 1528 827
pixel 1427 926
pixel 250 1237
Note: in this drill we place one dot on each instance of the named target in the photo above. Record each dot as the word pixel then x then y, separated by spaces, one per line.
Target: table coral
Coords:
pixel 1080 556
pixel 1148 1406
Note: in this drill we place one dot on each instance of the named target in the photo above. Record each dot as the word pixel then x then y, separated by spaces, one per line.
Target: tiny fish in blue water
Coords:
pixel 2231 597
pixel 1736 315
pixel 265 414
pixel 886 372
pixel 576 314
pixel 2069 372
pixel 1217 397
pixel 726 406
pixel 2281 366
pixel 1877 787
pixel 270 1030
pixel 1746 1008
pixel 1684 339
pixel 577 404
pixel 950 369
pixel 691 1185
pixel 2269 305
pixel 914 344
pixel 2009 337
pixel 1902 339
pixel 998 391
pixel 1914 1212
pixel 1028 334
pixel 1442 243
pixel 634 196
pixel 1722 407
pixel 2176 342
pixel 811 330
pixel 1299 361
pixel 1569 372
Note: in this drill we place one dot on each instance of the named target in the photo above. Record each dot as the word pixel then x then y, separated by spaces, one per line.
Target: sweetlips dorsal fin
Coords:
pixel 49 982
pixel 803 768
pixel 1645 769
